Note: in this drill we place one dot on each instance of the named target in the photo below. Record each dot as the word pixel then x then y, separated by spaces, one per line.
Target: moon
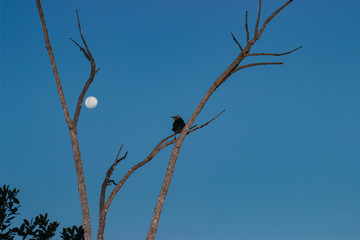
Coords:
pixel 91 102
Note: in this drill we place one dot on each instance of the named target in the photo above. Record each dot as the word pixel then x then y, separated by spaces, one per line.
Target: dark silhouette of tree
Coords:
pixel 8 210
pixel 73 233
pixel 39 228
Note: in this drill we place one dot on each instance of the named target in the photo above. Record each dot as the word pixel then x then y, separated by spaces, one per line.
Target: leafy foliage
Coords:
pixel 74 233
pixel 39 229
pixel 9 206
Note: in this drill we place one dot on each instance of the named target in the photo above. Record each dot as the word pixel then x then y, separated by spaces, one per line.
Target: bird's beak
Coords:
pixel 172 117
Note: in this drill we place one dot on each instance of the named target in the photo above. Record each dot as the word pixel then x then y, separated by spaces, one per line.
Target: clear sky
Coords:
pixel 282 162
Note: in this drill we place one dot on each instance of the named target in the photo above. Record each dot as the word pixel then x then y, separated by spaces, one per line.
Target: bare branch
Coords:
pixel 93 72
pixel 53 65
pixel 272 54
pixel 258 19
pixel 256 64
pixel 82 49
pixel 247 28
pixel 83 92
pixel 272 16
pixel 117 156
pixel 203 125
pixel 82 37
pixel 237 42
pixel 107 178
pixel 161 145
pixel 122 158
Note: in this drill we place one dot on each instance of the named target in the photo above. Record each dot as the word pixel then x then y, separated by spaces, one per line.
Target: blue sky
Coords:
pixel 282 162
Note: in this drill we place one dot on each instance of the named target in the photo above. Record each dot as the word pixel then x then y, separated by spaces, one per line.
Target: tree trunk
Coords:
pixel 81 183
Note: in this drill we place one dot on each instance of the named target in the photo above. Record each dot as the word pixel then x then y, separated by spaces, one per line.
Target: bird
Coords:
pixel 178 124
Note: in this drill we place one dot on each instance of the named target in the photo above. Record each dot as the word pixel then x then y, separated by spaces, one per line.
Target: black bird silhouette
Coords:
pixel 178 124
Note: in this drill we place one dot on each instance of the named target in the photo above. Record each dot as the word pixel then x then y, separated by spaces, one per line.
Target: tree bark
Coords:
pixel 81 183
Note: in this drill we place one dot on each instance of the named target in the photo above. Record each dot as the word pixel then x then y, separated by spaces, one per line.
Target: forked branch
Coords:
pixel 73 123
pixel 107 179
pixel 82 49
pixel 272 16
pixel 161 145
pixel 82 37
pixel 93 71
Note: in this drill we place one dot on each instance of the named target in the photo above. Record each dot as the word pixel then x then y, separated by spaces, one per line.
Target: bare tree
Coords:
pixel 234 67
pixel 72 125
pixel 104 203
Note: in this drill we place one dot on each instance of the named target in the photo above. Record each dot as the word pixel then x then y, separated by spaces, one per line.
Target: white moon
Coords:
pixel 91 102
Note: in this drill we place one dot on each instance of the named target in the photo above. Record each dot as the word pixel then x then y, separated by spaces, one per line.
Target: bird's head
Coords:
pixel 176 117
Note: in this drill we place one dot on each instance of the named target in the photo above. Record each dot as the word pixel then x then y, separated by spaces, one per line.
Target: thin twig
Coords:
pixel 258 19
pixel 117 156
pixel 122 158
pixel 272 54
pixel 247 28
pixel 82 37
pixel 203 125
pixel 272 16
pixel 82 49
pixel 237 42
pixel 256 64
